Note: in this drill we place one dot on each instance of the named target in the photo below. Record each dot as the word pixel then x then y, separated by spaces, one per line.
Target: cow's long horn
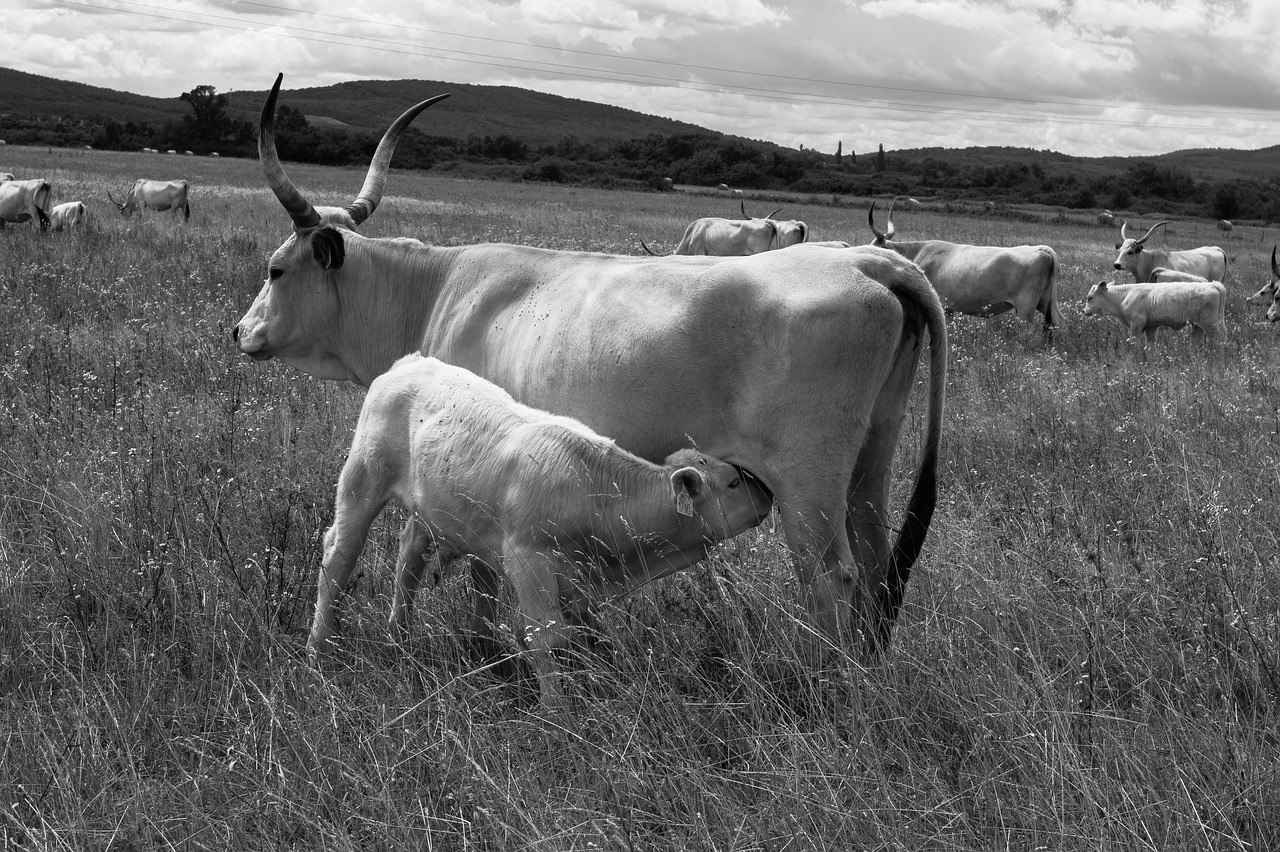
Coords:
pixel 113 201
pixel 770 216
pixel 1150 232
pixel 298 207
pixel 742 205
pixel 1275 270
pixel 371 193
pixel 1123 226
pixel 871 220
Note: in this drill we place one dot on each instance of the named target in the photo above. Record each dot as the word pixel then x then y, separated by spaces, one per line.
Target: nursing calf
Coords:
pixel 1145 307
pixel 566 514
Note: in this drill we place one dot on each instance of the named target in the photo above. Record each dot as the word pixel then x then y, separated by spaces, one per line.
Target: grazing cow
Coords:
pixel 1161 274
pixel 1209 262
pixel 1267 294
pixel 67 215
pixel 1273 312
pixel 723 187
pixel 565 513
pixel 25 200
pixel 1225 225
pixel 982 280
pixel 668 183
pixel 158 195
pixel 1143 308
pixel 795 365
pixel 1106 217
pixel 731 238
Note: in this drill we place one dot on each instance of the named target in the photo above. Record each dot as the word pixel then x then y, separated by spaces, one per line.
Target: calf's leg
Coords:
pixel 416 548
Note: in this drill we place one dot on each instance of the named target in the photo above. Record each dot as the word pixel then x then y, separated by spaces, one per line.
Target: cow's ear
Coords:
pixel 1102 285
pixel 328 248
pixel 687 484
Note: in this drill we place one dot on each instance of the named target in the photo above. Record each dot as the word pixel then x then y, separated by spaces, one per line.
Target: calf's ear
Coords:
pixel 687 484
pixel 327 247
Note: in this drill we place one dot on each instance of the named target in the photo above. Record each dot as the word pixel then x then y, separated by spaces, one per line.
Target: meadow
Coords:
pixel 1088 657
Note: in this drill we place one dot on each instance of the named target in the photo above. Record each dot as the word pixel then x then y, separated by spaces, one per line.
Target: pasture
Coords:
pixel 1088 657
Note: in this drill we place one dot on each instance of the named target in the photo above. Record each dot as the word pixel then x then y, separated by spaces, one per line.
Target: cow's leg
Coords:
pixel 879 594
pixel 354 512
pixel 536 580
pixel 1197 336
pixel 485 580
pixel 417 547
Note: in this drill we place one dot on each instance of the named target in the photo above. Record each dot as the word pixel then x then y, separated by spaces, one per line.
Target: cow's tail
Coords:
pixel 1053 314
pixel 924 494
pixel 648 250
pixel 41 199
pixel 186 210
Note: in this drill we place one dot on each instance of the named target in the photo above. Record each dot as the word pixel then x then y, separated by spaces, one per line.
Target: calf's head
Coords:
pixel 1129 249
pixel 719 498
pixel 1267 294
pixel 1096 302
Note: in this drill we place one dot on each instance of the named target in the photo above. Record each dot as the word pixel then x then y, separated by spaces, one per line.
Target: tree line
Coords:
pixel 693 158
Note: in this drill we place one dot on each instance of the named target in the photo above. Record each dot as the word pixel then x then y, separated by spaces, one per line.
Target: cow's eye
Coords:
pixel 275 272
pixel 735 482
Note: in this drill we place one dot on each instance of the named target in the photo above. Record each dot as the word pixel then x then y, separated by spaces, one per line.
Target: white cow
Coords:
pixel 1273 312
pixel 158 195
pixel 25 201
pixel 68 215
pixel 1162 274
pixel 1145 307
pixel 1106 217
pixel 982 280
pixel 733 238
pixel 568 516
pixel 1209 262
pixel 795 365
pixel 1225 225
pixel 1267 294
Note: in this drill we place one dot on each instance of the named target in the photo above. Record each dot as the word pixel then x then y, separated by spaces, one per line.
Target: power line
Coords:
pixel 612 76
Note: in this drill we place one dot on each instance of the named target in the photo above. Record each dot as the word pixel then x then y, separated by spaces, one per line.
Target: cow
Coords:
pixel 68 215
pixel 1209 262
pixel 1267 294
pixel 1273 312
pixel 6 176
pixel 1225 225
pixel 1162 274
pixel 1106 217
pixel 1145 307
pixel 25 200
pixel 158 195
pixel 731 238
pixel 796 366
pixel 566 514
pixel 982 280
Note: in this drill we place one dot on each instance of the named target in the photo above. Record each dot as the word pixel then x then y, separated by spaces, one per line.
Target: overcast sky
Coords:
pixel 1083 77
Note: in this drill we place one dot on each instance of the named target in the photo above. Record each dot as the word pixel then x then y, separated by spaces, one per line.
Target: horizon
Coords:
pixel 1015 73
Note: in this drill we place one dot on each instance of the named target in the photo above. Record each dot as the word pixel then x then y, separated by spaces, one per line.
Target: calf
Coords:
pixel 565 513
pixel 1267 294
pixel 25 201
pixel 67 215
pixel 1145 307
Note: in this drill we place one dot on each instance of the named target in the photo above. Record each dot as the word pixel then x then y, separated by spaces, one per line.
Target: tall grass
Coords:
pixel 1088 658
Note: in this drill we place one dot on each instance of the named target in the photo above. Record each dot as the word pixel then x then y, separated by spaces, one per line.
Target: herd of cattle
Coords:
pixel 752 368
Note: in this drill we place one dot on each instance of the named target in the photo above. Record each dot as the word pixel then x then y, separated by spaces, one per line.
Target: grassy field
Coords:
pixel 1088 657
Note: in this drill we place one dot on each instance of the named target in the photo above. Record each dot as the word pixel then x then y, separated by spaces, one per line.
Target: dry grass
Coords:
pixel 1089 656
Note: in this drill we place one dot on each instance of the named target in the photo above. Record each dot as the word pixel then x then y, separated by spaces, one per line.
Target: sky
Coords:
pixel 1082 77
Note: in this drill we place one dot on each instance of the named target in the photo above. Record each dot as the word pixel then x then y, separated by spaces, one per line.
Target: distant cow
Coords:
pixel 158 195
pixel 1145 307
pixel 567 515
pixel 1209 262
pixel 728 237
pixel 25 201
pixel 1163 274
pixel 1267 294
pixel 1225 225
pixel 982 280
pixel 67 215
pixel 723 187
pixel 1106 217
